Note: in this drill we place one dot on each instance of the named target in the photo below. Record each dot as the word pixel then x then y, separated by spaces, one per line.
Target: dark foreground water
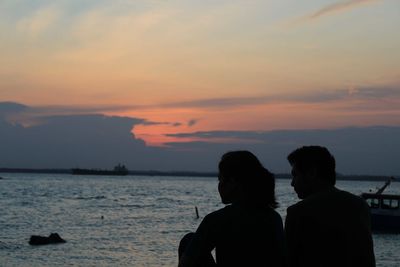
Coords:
pixel 122 221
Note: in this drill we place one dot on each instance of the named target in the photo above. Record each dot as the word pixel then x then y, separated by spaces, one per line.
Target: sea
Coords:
pixel 124 221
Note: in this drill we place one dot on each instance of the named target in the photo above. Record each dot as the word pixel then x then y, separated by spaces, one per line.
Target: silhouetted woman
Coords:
pixel 248 232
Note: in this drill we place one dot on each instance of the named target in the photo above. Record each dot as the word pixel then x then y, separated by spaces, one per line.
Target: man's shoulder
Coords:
pixel 327 198
pixel 298 207
pixel 349 198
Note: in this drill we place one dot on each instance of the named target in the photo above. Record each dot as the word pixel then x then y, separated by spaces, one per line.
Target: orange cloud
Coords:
pixel 335 8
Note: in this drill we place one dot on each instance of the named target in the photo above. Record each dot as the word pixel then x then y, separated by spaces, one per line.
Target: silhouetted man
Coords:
pixel 329 227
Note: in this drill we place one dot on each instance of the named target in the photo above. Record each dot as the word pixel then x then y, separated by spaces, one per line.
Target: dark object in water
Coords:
pixel 53 238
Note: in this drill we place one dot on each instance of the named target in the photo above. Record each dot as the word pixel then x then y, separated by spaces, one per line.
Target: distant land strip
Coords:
pixel 190 174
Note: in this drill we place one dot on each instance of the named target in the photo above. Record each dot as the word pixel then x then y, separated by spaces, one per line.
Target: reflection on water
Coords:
pixel 121 221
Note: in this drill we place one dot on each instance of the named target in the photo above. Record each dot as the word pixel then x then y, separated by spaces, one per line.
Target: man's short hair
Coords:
pixel 316 158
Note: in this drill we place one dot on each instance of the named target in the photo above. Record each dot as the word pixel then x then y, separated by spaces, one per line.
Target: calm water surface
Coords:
pixel 122 221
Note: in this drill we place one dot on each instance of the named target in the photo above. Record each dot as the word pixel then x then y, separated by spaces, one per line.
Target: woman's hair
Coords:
pixel 256 181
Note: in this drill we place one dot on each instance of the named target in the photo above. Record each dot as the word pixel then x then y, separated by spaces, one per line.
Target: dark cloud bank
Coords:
pixel 97 141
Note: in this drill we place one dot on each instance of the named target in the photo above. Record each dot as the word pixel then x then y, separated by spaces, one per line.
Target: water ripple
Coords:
pixel 127 221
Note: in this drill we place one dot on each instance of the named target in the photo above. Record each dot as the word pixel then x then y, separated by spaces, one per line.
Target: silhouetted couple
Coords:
pixel 329 227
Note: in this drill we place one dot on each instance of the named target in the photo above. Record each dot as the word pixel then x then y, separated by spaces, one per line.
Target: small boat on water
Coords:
pixel 385 209
pixel 118 170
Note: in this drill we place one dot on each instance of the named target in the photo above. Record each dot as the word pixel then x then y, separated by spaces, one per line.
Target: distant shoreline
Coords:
pixel 188 173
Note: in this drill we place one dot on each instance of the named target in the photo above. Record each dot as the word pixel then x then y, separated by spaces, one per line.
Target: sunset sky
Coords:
pixel 187 66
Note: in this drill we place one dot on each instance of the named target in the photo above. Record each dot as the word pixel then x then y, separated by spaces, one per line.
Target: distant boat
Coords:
pixel 385 209
pixel 118 170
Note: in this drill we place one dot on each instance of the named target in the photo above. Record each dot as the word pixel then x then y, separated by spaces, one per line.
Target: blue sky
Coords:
pixel 184 67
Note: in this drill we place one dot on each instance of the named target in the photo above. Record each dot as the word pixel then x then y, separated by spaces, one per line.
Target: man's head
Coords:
pixel 313 168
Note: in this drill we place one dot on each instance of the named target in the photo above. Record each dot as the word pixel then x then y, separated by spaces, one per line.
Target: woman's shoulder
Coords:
pixel 218 218
pixel 235 210
pixel 275 214
pixel 221 212
pixel 225 213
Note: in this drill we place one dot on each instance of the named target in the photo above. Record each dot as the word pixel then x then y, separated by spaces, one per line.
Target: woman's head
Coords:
pixel 241 175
